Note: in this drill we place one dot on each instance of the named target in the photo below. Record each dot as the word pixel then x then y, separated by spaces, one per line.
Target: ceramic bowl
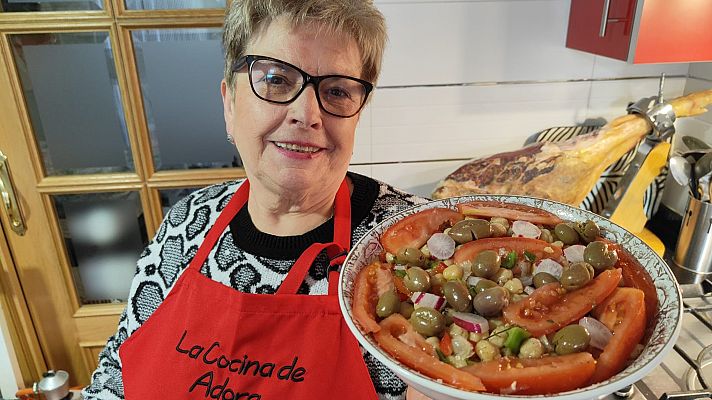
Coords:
pixel 666 326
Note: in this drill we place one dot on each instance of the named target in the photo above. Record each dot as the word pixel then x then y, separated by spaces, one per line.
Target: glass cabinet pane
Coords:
pixel 169 197
pixel 104 234
pixel 180 72
pixel 172 4
pixel 72 94
pixel 49 5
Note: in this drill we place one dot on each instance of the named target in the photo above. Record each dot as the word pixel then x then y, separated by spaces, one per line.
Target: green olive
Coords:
pixel 461 232
pixel 486 264
pixel 502 276
pixel 483 284
pixel 588 231
pixel 457 296
pixel 481 228
pixel 566 233
pixel 490 302
pixel 427 321
pixel 600 256
pixel 411 256
pixel 542 278
pixel 406 309
pixel 469 230
pixel 416 279
pixel 388 303
pixel 436 284
pixel 576 275
pixel 571 339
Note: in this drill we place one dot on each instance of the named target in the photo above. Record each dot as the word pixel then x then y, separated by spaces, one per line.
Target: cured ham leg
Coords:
pixel 564 171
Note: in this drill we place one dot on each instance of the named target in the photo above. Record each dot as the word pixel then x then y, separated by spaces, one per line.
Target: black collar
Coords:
pixel 248 238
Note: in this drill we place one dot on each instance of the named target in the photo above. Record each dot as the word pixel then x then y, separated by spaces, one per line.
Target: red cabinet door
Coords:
pixel 601 27
pixel 674 31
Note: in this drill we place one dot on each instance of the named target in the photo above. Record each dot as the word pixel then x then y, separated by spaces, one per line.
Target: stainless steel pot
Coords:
pixel 54 385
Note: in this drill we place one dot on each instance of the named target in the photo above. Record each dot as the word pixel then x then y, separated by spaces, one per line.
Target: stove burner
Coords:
pixel 700 373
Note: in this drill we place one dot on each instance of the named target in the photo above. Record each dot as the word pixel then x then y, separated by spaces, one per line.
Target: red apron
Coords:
pixel 209 341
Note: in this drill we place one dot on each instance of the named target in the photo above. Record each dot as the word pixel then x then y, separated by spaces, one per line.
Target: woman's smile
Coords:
pixel 302 150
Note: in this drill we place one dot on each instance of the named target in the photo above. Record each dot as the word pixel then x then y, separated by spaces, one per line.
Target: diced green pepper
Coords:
pixel 515 337
pixel 530 256
pixel 399 273
pixel 441 356
pixel 510 260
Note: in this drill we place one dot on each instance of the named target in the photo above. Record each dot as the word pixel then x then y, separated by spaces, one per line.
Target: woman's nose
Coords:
pixel 304 110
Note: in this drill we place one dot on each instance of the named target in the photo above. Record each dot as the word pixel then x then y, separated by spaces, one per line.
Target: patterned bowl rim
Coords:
pixel 665 333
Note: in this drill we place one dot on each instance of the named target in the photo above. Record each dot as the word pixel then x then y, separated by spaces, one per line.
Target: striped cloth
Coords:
pixel 600 195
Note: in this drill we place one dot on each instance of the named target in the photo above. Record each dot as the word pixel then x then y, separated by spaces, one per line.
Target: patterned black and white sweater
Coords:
pixel 245 259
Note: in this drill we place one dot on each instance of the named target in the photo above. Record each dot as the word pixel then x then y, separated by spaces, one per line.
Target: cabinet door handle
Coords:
pixel 604 18
pixel 9 200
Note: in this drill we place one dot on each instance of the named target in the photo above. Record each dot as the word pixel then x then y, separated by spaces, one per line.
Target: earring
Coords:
pixel 230 139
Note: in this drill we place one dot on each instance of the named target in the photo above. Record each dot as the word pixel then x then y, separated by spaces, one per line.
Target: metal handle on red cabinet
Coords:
pixel 604 18
pixel 9 200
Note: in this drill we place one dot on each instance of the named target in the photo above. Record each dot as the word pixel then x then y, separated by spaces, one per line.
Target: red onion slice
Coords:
pixel 525 229
pixel 470 322
pixel 600 335
pixel 441 246
pixel 549 266
pixel 425 299
pixel 574 253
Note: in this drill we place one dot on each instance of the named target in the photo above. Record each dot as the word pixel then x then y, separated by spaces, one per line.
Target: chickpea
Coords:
pixel 546 236
pixel 531 348
pixel 501 221
pixel 486 351
pixel 498 230
pixel 502 276
pixel 498 336
pixel 514 286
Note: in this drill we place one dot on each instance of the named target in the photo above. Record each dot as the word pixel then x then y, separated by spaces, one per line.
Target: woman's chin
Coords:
pixel 291 180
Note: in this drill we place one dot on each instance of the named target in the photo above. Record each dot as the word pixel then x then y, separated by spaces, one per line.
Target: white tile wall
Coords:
pixel 701 70
pixel 467 78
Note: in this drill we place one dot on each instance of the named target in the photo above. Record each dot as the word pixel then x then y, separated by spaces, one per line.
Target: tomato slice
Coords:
pixel 414 230
pixel 398 338
pixel 370 281
pixel 539 248
pixel 550 307
pixel 512 212
pixel 624 314
pixel 446 344
pixel 634 275
pixel 535 376
pixel 403 292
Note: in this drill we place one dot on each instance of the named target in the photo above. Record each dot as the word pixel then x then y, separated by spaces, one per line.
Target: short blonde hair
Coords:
pixel 359 19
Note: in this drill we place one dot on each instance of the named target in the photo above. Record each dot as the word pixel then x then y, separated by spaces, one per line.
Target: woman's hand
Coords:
pixel 412 394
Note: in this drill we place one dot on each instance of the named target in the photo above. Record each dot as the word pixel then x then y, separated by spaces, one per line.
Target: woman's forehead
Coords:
pixel 310 46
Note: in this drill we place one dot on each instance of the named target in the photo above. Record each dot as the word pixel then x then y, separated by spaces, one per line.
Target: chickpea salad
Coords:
pixel 504 298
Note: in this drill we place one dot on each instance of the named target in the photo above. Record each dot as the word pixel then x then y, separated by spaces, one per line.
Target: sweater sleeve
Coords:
pixel 159 260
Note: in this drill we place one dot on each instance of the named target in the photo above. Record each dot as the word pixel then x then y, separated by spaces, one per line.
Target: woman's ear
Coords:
pixel 227 99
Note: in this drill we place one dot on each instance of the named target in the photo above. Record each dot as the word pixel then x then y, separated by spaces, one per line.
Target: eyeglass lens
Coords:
pixel 275 81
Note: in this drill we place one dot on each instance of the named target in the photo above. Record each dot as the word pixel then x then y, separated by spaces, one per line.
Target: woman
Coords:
pixel 219 307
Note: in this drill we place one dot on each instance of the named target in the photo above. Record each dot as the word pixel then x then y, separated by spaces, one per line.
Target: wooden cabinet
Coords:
pixel 643 31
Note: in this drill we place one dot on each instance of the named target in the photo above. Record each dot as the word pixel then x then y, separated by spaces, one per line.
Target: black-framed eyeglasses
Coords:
pixel 280 82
